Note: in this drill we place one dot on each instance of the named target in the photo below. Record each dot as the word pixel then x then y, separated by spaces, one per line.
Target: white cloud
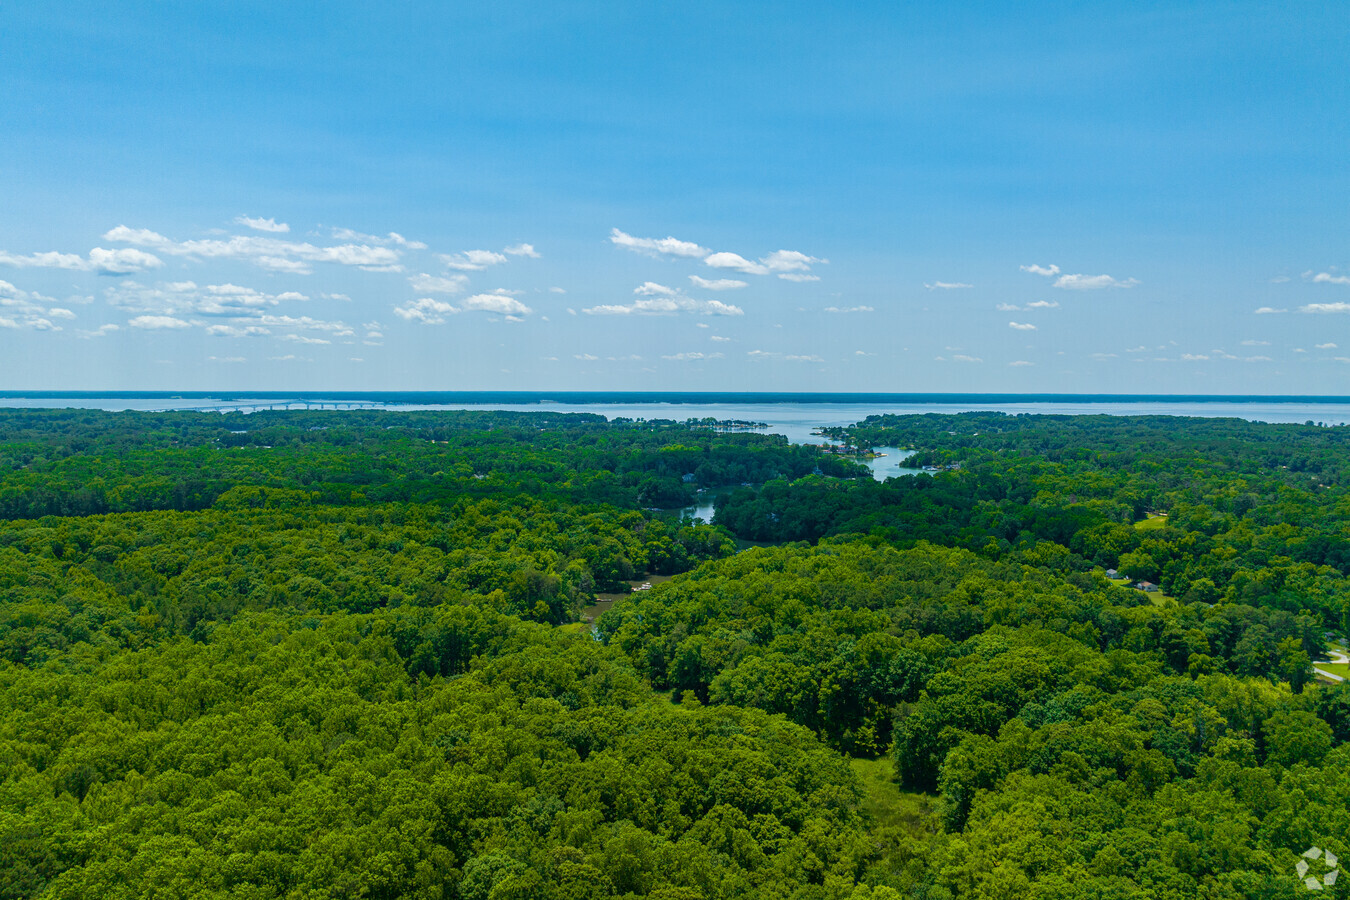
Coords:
pixel 228 359
pixel 304 339
pixel 1022 326
pixel 1079 282
pixel 557 290
pixel 685 357
pixel 281 264
pixel 1328 278
pixel 947 285
pixel 1043 304
pixel 1007 307
pixel 725 260
pixel 718 339
pixel 640 307
pixel 718 284
pixel 789 265
pixel 306 323
pixel 966 359
pixel 100 331
pixel 271 225
pixel 1023 362
pixel 851 309
pixel 585 357
pixel 1194 357
pixel 26 310
pixel 1092 282
pixel 48 260
pixel 1140 349
pixel 427 310
pixel 658 299
pixel 143 237
pixel 1048 271
pixel 472 260
pixel 237 331
pixel 789 261
pixel 1256 343
pixel 106 262
pixel 158 322
pixel 786 357
pixel 435 284
pixel 430 311
pixel 498 301
pixel 1327 346
pixel 186 297
pixel 1266 310
pixel 1338 307
pixel 522 250
pixel 668 246
pixel 125 261
pixel 346 234
pixel 267 252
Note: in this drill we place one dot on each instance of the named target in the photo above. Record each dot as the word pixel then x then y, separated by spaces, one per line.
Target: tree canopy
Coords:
pixel 344 654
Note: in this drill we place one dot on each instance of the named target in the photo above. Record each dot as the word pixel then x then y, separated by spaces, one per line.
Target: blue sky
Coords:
pixel 1084 197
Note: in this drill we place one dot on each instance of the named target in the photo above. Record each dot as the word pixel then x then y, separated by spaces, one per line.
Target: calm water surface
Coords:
pixel 796 421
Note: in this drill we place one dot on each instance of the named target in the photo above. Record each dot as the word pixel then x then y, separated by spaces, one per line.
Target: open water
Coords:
pixel 792 415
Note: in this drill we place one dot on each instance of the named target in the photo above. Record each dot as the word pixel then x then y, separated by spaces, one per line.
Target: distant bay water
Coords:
pixel 794 415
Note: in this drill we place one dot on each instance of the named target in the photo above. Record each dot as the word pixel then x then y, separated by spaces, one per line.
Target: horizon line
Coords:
pixel 670 397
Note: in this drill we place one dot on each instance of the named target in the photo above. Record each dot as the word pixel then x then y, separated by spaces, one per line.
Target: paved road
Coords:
pixel 1336 657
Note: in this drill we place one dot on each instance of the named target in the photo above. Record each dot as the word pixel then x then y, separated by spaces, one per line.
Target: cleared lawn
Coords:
pixel 1157 598
pixel 1154 520
pixel 1340 669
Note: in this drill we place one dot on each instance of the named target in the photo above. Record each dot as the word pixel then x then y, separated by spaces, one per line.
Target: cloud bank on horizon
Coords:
pixel 132 292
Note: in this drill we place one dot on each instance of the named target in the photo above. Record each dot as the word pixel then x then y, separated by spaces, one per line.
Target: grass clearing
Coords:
pixel 1340 669
pixel 882 797
pixel 904 823
pixel 1154 521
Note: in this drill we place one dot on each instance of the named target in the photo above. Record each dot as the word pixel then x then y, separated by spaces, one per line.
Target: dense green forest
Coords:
pixel 343 654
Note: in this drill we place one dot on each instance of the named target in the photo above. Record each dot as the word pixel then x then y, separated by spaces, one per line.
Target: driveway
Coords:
pixel 1336 656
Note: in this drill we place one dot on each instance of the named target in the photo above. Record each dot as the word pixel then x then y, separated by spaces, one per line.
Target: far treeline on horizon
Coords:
pixel 477 398
pixel 488 654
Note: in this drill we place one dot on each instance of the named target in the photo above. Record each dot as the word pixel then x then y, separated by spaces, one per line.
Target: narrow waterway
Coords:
pixel 606 601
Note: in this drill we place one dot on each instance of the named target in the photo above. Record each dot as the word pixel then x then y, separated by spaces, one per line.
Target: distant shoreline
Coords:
pixel 664 397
